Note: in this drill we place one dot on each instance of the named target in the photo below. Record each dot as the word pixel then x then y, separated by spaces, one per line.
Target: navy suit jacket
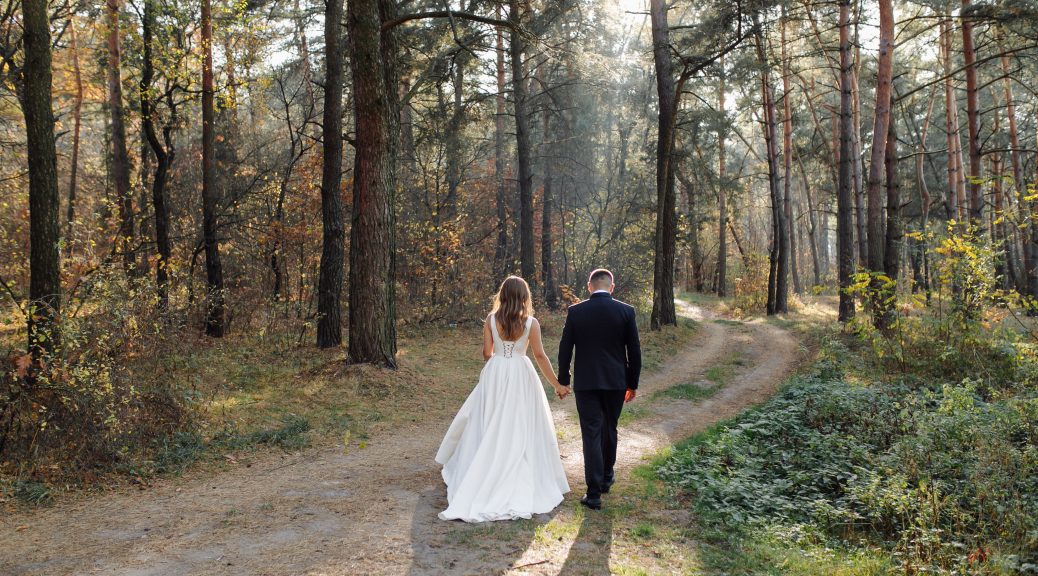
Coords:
pixel 604 332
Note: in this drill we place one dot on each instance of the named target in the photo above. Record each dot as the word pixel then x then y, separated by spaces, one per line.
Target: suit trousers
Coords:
pixel 599 412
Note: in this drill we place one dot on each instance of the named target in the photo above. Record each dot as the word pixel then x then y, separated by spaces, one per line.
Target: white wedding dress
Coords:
pixel 500 456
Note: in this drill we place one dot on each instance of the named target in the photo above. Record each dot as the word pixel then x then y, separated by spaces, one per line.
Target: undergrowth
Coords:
pixel 874 463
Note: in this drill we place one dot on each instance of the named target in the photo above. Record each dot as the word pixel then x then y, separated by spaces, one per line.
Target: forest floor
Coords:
pixel 372 509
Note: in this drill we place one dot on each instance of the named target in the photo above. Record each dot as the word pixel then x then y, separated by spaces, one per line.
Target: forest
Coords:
pixel 235 230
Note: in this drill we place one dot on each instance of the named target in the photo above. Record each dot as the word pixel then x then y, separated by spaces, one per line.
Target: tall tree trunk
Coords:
pixel 891 250
pixel 778 259
pixel 663 312
pixel 883 118
pixel 722 194
pixel 44 233
pixel 925 201
pixel 372 267
pixel 951 205
pixel 1014 159
pixel 501 263
pixel 695 280
pixel 972 116
pixel 812 219
pixel 859 187
pixel 1032 264
pixel 1004 272
pixel 77 114
pixel 550 291
pixel 777 275
pixel 884 76
pixel 547 269
pixel 453 140
pixel 215 316
pixel 787 164
pixel 118 154
pixel 844 201
pixel 329 284
pixel 163 157
pixel 522 141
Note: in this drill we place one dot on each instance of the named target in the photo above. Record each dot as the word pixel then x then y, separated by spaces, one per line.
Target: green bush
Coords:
pixel 941 475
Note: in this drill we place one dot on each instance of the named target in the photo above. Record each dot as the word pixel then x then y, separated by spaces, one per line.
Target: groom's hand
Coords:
pixel 562 392
pixel 629 395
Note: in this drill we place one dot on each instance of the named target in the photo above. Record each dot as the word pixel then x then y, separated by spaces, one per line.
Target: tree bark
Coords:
pixel 522 140
pixel 118 154
pixel 663 311
pixel 882 117
pixel 778 258
pixel 844 201
pixel 501 197
pixel 951 205
pixel 453 140
pixel 925 201
pixel 329 284
pixel 722 194
pixel 215 317
pixel 859 188
pixel 1018 181
pixel 891 250
pixel 787 164
pixel 44 234
pixel 812 219
pixel 550 291
pixel 972 117
pixel 372 267
pixel 77 115
pixel 1032 264
pixel 163 157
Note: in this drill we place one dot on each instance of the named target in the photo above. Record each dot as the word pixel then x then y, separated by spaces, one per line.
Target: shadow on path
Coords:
pixel 589 555
pixel 456 547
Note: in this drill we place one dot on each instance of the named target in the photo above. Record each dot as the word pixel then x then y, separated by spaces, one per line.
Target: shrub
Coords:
pixel 80 409
pixel 942 475
pixel 751 285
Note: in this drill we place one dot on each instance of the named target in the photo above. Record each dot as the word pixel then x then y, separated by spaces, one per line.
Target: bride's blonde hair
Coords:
pixel 513 304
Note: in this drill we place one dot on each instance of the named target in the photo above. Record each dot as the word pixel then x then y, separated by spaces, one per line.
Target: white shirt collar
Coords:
pixel 601 291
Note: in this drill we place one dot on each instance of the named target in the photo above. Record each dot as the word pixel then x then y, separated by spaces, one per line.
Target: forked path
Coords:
pixel 372 511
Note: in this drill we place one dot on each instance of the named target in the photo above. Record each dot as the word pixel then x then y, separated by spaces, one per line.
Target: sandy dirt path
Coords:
pixel 373 511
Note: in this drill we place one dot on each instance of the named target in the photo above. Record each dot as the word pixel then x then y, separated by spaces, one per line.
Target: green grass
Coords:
pixel 31 492
pixel 643 530
pixel 174 454
pixel 776 552
pixel 659 345
pixel 631 413
pixel 689 391
pixel 720 375
pixel 289 434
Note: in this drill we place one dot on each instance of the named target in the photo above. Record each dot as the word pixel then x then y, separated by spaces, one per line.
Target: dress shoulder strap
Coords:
pixel 493 327
pixel 529 323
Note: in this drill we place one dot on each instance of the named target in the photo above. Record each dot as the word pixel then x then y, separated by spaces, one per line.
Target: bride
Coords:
pixel 500 456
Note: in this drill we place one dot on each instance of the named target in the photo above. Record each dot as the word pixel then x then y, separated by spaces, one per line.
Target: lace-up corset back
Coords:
pixel 510 348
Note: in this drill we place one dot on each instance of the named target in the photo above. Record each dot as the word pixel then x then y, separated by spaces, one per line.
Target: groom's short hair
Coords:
pixel 599 276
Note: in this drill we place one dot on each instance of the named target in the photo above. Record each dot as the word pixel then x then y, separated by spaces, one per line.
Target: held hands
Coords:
pixel 561 391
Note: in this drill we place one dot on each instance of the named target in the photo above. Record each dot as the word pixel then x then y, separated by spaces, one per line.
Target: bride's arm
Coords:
pixel 542 360
pixel 488 341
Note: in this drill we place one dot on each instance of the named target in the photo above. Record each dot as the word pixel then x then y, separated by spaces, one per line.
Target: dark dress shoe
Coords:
pixel 592 503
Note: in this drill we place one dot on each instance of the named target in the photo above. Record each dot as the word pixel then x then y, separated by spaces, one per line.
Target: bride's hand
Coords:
pixel 561 391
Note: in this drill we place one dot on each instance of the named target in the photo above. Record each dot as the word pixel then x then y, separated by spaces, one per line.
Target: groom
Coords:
pixel 609 359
